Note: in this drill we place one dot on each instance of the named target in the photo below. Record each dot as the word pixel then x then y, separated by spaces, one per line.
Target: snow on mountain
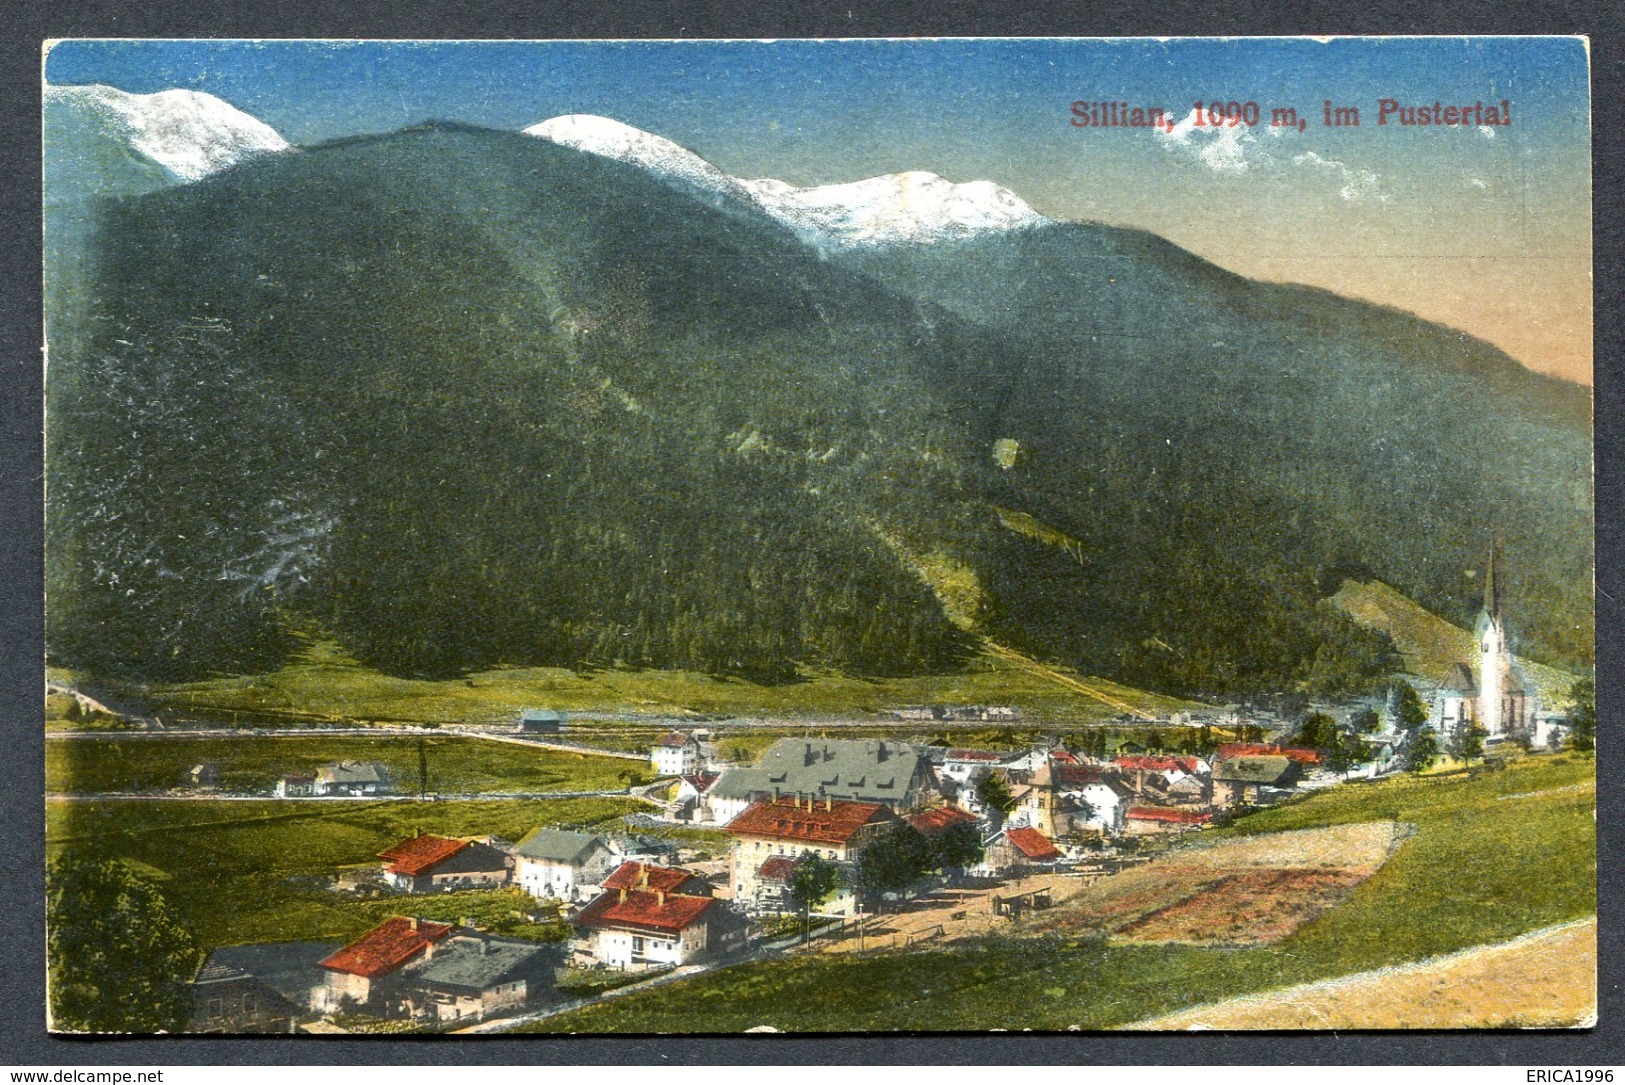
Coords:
pixel 189 133
pixel 914 208
pixel 660 156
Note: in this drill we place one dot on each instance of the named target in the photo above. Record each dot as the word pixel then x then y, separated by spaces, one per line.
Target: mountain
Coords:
pixel 1276 420
pixel 462 398
pixel 101 141
pixel 465 396
pixel 913 208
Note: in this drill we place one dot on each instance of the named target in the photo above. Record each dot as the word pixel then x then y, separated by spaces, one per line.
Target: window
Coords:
pixel 637 945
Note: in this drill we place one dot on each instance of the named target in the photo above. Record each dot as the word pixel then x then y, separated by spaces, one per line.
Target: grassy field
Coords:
pixel 456 765
pixel 1493 856
pixel 324 682
pixel 241 872
pixel 1429 644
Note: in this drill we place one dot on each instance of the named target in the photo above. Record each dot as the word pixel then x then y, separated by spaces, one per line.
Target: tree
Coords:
pixel 119 959
pixel 1367 721
pixel 1472 741
pixel 993 791
pixel 1320 731
pixel 958 847
pixel 1583 716
pixel 893 862
pixel 1408 706
pixel 815 878
pixel 1339 751
pixel 1424 750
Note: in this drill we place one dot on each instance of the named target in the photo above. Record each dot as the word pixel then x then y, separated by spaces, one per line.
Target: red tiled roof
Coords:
pixel 778 868
pixel 974 755
pixel 673 738
pixel 415 856
pixel 1033 844
pixel 786 820
pixel 659 878
pixel 1299 754
pixel 1063 757
pixel 702 781
pixel 1152 763
pixel 1168 815
pixel 387 946
pixel 934 822
pixel 644 911
pixel 1075 775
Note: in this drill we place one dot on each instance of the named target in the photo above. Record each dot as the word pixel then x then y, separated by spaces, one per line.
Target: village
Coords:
pixel 851 836
pixel 835 845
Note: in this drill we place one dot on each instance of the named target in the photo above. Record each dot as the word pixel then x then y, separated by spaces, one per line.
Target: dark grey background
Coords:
pixel 28 22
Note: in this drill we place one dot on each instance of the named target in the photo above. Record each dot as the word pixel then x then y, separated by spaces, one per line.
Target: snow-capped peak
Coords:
pixel 189 133
pixel 911 208
pixel 660 156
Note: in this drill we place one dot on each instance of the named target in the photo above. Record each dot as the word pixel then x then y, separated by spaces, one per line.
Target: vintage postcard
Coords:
pixel 819 536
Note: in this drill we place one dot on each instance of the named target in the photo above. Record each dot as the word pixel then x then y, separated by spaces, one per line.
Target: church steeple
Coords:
pixel 1492 589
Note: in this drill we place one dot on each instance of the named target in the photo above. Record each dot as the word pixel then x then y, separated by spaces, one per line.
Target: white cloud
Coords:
pixel 1478 182
pixel 1353 184
pixel 1486 131
pixel 1222 149
pixel 1238 151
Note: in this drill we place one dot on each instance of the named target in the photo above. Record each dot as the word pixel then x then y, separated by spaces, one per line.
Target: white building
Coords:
pixel 675 754
pixel 556 864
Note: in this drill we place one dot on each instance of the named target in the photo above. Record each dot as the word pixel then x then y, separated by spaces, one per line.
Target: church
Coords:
pixel 1494 694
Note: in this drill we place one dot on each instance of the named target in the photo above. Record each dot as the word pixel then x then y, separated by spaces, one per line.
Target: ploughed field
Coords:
pixel 1229 893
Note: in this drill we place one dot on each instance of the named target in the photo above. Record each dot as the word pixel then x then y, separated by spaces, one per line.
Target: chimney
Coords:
pixel 660 898
pixel 623 894
pixel 414 922
pixel 829 803
pixel 485 946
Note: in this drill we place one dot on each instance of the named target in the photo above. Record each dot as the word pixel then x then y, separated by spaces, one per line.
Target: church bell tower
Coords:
pixel 1493 662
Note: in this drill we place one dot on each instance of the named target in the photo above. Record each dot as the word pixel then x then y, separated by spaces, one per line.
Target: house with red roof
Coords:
pixel 793 827
pixel 648 878
pixel 934 822
pixel 361 973
pixel 644 928
pixel 1146 820
pixel 439 864
pixel 1016 848
pixel 1298 755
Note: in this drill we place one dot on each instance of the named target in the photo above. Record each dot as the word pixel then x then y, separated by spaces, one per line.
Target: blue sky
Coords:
pixel 1487 230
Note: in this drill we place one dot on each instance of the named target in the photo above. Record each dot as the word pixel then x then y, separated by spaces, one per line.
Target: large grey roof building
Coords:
pixel 853 770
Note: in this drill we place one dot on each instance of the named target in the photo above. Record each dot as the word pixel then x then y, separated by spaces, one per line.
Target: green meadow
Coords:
pixel 456 765
pixel 243 872
pixel 1494 855
pixel 324 682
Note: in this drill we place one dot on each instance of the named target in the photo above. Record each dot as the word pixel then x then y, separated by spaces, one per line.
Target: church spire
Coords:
pixel 1492 589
